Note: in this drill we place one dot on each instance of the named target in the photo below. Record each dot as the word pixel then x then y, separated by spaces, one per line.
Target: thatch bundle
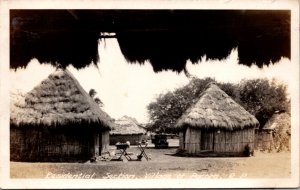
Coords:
pixel 58 100
pixel 280 124
pixel 215 109
pixel 278 120
pixel 126 126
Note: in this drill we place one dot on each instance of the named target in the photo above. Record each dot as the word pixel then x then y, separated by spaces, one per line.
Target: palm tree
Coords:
pixel 92 94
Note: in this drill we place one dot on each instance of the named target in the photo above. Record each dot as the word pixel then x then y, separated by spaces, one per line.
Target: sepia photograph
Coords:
pixel 157 95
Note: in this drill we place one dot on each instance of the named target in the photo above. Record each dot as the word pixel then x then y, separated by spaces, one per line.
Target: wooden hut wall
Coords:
pixel 181 140
pixel 263 140
pixel 233 141
pixel 132 138
pixel 33 144
pixel 192 140
pixel 201 140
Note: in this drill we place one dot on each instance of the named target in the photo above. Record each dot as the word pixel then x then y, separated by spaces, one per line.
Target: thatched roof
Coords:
pixel 58 100
pixel 261 36
pixel 127 125
pixel 215 109
pixel 277 120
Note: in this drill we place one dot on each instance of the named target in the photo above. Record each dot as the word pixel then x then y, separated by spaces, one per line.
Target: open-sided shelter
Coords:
pixel 216 124
pixel 57 121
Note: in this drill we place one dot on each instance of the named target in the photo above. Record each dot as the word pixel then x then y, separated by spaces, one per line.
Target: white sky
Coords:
pixel 126 89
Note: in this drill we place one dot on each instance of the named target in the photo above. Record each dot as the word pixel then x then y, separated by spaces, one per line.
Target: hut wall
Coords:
pixel 233 141
pixel 222 141
pixel 181 140
pixel 263 140
pixel 104 141
pixel 132 138
pixel 31 144
pixel 192 140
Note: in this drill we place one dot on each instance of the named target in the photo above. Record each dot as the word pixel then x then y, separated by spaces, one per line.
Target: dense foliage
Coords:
pixel 260 97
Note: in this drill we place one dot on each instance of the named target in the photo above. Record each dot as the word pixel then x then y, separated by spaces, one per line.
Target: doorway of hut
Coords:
pixel 206 141
pixel 100 144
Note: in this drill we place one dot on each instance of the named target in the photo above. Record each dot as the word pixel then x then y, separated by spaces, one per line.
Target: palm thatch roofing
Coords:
pixel 48 35
pixel 215 109
pixel 58 100
pixel 127 125
pixel 278 120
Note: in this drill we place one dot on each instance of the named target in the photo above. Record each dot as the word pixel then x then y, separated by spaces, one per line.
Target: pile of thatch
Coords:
pixel 215 109
pixel 127 126
pixel 280 124
pixel 58 100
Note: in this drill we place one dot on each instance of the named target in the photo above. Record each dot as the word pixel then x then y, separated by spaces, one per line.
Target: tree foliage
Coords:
pixel 260 97
pixel 92 94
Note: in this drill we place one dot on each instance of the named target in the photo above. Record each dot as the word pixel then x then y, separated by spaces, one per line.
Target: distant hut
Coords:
pixel 216 124
pixel 57 121
pixel 275 134
pixel 126 129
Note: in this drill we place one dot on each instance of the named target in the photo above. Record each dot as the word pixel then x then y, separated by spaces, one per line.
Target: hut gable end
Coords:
pixel 215 109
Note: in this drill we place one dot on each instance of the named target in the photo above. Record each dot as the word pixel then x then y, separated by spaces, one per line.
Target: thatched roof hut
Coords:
pixel 126 129
pixel 216 123
pixel 57 119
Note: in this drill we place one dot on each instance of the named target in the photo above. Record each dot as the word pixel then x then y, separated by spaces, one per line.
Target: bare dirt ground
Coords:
pixel 163 164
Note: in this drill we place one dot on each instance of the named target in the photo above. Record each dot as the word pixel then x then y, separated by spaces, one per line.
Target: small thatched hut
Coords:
pixel 216 124
pixel 126 129
pixel 57 121
pixel 275 134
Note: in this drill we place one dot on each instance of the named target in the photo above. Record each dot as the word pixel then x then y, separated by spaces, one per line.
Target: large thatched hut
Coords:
pixel 57 121
pixel 216 124
pixel 126 129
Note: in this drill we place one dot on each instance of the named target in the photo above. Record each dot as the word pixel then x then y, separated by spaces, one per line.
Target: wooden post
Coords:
pixel 105 141
pixel 96 144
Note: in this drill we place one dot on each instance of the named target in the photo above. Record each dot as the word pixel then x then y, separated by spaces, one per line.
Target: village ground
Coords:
pixel 163 164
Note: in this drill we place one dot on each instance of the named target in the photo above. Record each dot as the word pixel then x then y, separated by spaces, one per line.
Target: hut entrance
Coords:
pixel 207 140
pixel 100 144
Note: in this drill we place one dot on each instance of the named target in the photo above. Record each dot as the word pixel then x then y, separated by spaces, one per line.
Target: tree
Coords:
pixel 166 110
pixel 262 98
pixel 92 94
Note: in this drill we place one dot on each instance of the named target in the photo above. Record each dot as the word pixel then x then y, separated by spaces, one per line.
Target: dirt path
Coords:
pixel 265 165
pixel 162 165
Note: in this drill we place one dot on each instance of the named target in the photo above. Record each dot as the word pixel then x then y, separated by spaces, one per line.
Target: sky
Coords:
pixel 127 89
